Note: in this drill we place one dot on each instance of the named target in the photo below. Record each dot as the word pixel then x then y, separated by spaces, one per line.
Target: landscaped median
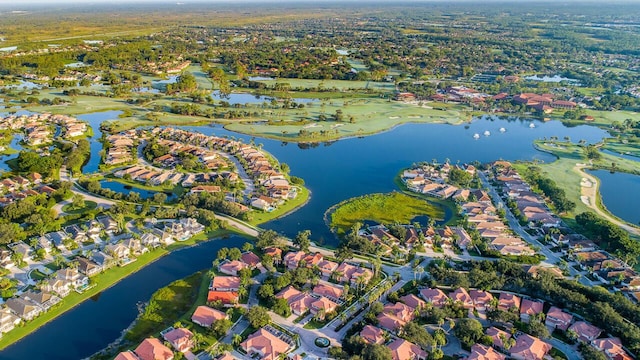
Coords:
pixel 102 282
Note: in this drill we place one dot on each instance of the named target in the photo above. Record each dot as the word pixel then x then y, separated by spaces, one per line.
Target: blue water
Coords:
pixel 95 120
pixel 126 189
pixel 620 194
pixel 246 98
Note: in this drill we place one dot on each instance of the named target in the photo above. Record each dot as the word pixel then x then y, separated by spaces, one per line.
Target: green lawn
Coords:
pixel 166 306
pixel 88 205
pixel 381 208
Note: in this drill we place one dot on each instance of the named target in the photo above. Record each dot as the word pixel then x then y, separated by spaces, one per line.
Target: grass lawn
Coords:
pixel 314 324
pixel 381 208
pixel 166 306
pixel 88 205
pixel 102 281
pixel 449 204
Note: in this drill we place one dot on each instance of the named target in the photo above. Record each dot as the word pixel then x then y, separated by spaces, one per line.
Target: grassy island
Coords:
pixel 381 208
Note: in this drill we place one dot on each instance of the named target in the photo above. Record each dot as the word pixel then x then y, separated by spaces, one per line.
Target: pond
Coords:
pixel 126 189
pixel 620 194
pixel 551 79
pixel 246 98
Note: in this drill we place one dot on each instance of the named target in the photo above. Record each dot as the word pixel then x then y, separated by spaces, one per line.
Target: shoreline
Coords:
pixel 89 293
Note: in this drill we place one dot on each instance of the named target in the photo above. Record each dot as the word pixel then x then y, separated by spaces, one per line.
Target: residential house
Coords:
pixel 135 246
pixel 390 322
pixel 292 259
pixel 57 286
pixel 558 319
pixel 76 233
pixel 119 251
pixel 127 355
pixel 225 297
pixel 72 276
pixel 462 296
pixel 87 267
pixel 403 350
pixel 585 331
pixel 57 239
pixel 434 296
pixel 42 299
pixel 480 299
pixel 110 226
pixel 498 337
pixel 323 306
pixel 264 203
pixel 482 352
pixel 8 320
pixel 528 347
pixel 529 309
pixel 105 261
pixel 327 267
pixel 23 249
pixel 265 344
pixel 508 301
pixel 252 260
pixel 180 339
pixel 612 347
pixel 206 316
pixel 231 267
pixel 330 291
pixel 225 283
pixel 44 243
pixel 150 240
pixel 372 335
pixel 413 301
pixel 23 308
pixel 302 303
pixel 275 253
pixel 153 349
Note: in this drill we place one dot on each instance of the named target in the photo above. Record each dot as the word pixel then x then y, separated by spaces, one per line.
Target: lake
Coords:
pixel 620 194
pixel 551 79
pixel 95 120
pixel 246 98
pixel 126 189
pixel 333 172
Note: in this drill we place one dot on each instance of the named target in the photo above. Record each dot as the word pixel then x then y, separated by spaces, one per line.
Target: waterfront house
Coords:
pixel 231 267
pixel 87 266
pixel 127 355
pixel 225 283
pixel 206 316
pixel 42 299
pixel 72 276
pixel 23 308
pixel 8 320
pixel 224 297
pixel 57 286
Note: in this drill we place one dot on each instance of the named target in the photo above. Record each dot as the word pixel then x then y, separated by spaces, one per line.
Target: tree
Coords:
pixel 469 331
pixel 302 240
pixel 235 254
pixel 258 317
pixel 281 307
pixel 266 239
pixel 265 291
pixel 247 247
pixel 77 201
pixel 236 339
pixel 417 334
pixel 220 327
pixel 223 253
pixel 376 352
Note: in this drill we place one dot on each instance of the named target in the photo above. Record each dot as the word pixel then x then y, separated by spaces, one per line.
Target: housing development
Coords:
pixel 414 180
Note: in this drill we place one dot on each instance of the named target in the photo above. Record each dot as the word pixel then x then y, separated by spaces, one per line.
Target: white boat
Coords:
pixel 487 133
pixel 532 125
pixel 476 136
pixel 503 130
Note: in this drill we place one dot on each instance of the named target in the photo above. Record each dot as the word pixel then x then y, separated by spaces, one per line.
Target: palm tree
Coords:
pixel 236 339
